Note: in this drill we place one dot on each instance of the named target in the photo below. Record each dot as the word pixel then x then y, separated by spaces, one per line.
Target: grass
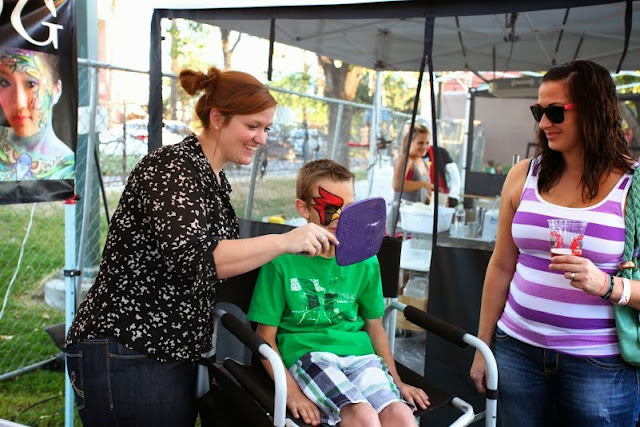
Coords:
pixel 36 398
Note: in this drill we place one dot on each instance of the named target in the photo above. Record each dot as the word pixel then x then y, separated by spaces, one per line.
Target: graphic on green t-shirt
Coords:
pixel 318 305
pixel 318 302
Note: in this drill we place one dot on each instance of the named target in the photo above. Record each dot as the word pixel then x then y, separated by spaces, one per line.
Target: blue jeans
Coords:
pixel 539 387
pixel 116 386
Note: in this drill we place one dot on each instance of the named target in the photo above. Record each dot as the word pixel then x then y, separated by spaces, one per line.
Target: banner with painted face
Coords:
pixel 38 100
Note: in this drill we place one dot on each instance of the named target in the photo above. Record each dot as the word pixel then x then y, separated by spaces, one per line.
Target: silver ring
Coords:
pixel 573 276
pixel 320 236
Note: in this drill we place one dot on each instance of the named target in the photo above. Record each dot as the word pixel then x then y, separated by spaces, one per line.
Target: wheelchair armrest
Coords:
pixel 241 330
pixel 462 338
pixel 260 347
pixel 430 323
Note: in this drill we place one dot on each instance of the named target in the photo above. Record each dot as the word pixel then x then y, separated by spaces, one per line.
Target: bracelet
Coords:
pixel 606 280
pixel 626 291
pixel 608 294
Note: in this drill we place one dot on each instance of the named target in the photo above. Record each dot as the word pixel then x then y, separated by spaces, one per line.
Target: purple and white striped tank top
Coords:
pixel 543 309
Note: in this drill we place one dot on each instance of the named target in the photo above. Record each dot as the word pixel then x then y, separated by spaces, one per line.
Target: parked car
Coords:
pixel 136 136
pixel 174 131
pixel 278 145
pixel 317 140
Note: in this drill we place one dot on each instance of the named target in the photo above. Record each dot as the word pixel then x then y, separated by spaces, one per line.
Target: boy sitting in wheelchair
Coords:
pixel 324 320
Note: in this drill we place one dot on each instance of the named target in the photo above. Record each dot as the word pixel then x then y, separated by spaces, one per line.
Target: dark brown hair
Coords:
pixel 230 92
pixel 592 89
pixel 317 170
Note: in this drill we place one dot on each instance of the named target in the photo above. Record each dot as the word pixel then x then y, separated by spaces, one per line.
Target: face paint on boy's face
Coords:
pixel 328 206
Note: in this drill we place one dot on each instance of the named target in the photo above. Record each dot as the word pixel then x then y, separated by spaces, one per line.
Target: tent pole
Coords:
pixel 70 296
pixel 373 131
pixel 155 82
pixel 467 143
pixel 434 124
pixel 73 263
pixel 428 48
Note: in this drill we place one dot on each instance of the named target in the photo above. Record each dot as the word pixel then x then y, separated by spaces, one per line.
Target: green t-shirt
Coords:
pixel 318 305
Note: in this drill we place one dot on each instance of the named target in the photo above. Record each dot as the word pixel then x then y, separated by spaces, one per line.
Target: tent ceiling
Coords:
pixel 483 42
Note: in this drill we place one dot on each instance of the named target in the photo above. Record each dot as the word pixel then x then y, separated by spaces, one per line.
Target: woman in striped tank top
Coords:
pixel 553 333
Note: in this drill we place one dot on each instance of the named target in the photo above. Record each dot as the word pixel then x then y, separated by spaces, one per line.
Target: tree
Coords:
pixel 188 40
pixel 630 108
pixel 227 47
pixel 341 82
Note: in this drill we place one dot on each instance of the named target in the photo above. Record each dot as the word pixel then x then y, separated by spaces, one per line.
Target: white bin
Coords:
pixel 421 221
pixel 415 255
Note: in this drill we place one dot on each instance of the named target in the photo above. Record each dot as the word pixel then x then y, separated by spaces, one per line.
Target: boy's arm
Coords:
pixel 380 342
pixel 297 402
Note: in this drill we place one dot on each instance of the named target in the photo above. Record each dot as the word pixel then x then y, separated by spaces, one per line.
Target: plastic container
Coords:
pixel 457 229
pixel 416 255
pixel 421 221
pixel 416 287
pixel 490 225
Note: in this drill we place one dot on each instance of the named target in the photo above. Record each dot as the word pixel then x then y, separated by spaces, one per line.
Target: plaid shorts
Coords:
pixel 332 382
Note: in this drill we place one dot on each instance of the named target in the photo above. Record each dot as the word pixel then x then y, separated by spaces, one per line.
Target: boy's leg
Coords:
pixel 359 414
pixel 321 379
pixel 397 414
pixel 371 376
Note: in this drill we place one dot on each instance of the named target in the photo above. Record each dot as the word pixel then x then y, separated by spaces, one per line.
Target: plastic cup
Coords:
pixel 566 236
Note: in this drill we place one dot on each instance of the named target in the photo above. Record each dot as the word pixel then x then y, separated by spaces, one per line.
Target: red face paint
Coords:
pixel 328 206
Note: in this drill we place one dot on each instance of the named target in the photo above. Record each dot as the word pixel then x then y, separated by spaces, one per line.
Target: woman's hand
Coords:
pixel 415 396
pixel 478 372
pixel 301 407
pixel 581 273
pixel 310 238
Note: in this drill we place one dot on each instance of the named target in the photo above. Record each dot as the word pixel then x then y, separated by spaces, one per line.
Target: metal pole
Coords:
pixel 73 282
pixel 252 183
pixel 70 296
pixel 93 95
pixel 336 134
pixel 26 369
pixel 467 143
pixel 373 132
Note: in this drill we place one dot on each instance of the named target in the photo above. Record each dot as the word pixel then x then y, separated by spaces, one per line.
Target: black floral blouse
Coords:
pixel 156 285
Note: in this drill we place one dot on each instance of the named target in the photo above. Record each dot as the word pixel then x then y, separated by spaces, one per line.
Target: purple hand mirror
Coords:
pixel 360 230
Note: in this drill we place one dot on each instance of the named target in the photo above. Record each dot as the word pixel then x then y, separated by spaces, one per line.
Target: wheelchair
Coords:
pixel 235 389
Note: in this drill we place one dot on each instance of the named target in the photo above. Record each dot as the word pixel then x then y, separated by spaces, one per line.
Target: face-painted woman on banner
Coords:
pixel 29 89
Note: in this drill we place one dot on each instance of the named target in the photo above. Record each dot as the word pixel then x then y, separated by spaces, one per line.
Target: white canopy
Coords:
pixel 502 36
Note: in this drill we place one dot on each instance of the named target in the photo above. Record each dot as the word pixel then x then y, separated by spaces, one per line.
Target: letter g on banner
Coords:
pixel 16 22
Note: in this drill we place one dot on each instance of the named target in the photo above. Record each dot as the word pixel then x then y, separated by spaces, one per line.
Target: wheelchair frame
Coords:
pixel 275 413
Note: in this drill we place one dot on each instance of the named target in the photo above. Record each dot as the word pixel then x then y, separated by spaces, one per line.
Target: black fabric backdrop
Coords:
pixel 33 17
pixel 455 292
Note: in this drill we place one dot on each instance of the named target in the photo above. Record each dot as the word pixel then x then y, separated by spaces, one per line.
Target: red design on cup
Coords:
pixel 576 245
pixel 556 239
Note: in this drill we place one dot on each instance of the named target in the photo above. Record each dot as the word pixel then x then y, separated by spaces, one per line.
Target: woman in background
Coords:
pixel 415 185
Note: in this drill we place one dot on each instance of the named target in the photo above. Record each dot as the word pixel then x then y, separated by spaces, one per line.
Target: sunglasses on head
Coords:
pixel 555 113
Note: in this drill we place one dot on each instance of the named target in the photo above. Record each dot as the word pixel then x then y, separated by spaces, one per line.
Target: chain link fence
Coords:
pixel 32 257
